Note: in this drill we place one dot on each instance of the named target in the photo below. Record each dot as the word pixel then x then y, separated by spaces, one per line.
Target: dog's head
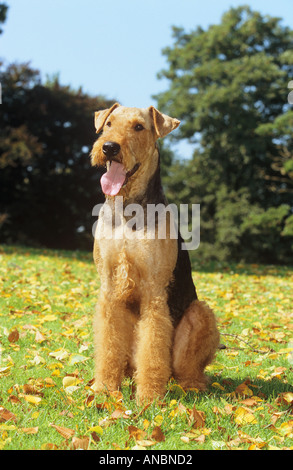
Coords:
pixel 127 146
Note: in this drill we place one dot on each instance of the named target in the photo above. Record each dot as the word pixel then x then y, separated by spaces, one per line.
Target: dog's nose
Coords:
pixel 110 149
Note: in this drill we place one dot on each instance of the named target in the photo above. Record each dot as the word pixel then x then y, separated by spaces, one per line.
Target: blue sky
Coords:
pixel 110 47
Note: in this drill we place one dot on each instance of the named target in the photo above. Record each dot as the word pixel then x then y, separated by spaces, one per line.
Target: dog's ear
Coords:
pixel 163 124
pixel 101 116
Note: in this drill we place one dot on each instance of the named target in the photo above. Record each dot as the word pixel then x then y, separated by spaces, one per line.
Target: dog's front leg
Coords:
pixel 153 357
pixel 112 332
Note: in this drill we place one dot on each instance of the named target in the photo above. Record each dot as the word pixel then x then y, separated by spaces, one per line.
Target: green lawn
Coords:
pixel 46 363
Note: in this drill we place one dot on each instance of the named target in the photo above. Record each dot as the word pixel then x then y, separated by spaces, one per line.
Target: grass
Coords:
pixel 46 363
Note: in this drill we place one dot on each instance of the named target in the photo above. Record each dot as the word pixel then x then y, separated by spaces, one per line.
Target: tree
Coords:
pixel 3 14
pixel 48 187
pixel 228 86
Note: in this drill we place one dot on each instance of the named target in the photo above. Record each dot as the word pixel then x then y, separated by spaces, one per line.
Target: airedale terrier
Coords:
pixel 149 321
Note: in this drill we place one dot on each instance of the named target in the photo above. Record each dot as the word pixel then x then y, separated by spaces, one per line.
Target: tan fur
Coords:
pixel 133 330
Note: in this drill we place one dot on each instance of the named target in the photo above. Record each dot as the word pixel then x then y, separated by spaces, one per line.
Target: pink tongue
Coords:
pixel 113 180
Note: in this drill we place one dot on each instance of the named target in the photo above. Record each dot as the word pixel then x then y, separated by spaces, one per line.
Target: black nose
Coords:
pixel 110 149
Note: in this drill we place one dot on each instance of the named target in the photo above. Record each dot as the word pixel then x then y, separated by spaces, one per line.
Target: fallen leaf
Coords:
pixel 59 354
pixel 201 438
pixel 13 336
pixel 4 442
pixel 6 415
pixel 96 429
pixel 118 413
pixel 243 416
pixel 49 446
pixel 7 427
pixel 157 434
pixel 257 446
pixel 158 420
pixel 39 338
pixel 138 447
pixel 285 398
pixel 95 436
pixel 251 440
pixel 286 429
pixel 145 442
pixel 14 400
pixel 136 433
pixel 253 401
pixel 146 424
pixel 76 358
pixel 217 385
pixel 244 390
pixel 197 418
pixel 34 430
pixel 32 399
pixel 70 381
pixel 29 389
pixel 80 443
pixel 65 432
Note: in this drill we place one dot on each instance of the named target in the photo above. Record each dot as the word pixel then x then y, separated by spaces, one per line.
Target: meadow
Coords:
pixel 47 300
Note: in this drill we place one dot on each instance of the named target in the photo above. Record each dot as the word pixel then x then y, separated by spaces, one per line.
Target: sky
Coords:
pixel 110 47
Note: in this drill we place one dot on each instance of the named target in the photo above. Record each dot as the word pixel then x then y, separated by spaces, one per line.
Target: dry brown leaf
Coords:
pixel 95 436
pixel 197 418
pixel 246 438
pixel 285 398
pixel 14 399
pixel 201 438
pixel 49 446
pixel 65 432
pixel 29 389
pixel 39 338
pixel 136 433
pixel 145 442
pixel 157 434
pixel 118 414
pixel 117 395
pixel 244 416
pixel 80 443
pixel 250 401
pixel 243 389
pixel 6 415
pixel 13 336
pixel 34 430
pixel 89 400
pixel 228 408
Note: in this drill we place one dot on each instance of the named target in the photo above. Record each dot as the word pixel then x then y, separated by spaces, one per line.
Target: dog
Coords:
pixel 148 323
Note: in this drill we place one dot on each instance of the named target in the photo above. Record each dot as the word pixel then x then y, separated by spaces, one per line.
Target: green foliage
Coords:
pixel 228 86
pixel 48 187
pixel 3 14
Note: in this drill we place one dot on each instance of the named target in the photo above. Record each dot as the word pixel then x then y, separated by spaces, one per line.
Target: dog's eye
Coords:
pixel 109 124
pixel 139 127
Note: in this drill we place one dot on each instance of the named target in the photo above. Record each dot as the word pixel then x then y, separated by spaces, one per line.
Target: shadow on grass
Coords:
pixel 264 389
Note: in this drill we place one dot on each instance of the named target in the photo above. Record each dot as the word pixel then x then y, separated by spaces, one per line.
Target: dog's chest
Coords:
pixel 139 242
pixel 117 231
